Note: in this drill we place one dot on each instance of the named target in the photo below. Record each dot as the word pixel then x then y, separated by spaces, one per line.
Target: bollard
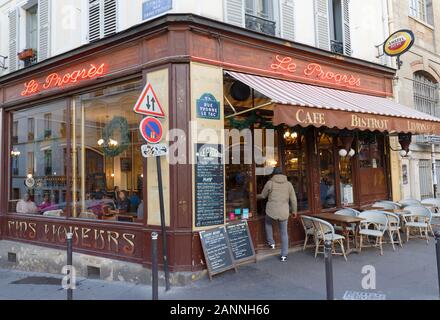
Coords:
pixel 437 247
pixel 70 264
pixel 328 269
pixel 155 267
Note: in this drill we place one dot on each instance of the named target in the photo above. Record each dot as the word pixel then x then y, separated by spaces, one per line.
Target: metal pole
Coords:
pixel 70 264
pixel 328 270
pixel 155 267
pixel 437 249
pixel 434 170
pixel 162 223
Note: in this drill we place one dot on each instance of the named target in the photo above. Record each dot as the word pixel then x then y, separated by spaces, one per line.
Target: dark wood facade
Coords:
pixel 170 42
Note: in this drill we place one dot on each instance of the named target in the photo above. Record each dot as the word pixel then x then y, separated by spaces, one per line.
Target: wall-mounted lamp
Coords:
pixel 405 141
pixel 346 140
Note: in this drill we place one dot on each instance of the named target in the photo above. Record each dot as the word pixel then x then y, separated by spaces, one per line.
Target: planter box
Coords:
pixel 26 54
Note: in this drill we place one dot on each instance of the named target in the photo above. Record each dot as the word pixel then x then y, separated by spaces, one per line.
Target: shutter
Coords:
pixel 43 51
pixel 234 12
pixel 346 27
pixel 287 20
pixel 94 20
pixel 13 39
pixel 322 27
pixel 110 17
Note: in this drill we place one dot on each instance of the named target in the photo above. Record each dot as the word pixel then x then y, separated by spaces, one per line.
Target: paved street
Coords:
pixel 408 273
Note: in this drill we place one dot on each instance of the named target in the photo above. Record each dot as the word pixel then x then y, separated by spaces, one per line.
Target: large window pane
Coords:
pixel 107 162
pixel 327 169
pixel 38 163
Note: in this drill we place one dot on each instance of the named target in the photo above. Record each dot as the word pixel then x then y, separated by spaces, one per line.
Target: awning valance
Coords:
pixel 308 105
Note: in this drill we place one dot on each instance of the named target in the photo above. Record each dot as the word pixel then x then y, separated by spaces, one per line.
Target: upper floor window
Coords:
pixel 259 16
pixel 422 10
pixel 103 18
pixel 332 23
pixel 426 94
pixel 32 27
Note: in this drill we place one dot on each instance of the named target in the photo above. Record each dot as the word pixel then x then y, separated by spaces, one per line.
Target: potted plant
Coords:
pixel 26 54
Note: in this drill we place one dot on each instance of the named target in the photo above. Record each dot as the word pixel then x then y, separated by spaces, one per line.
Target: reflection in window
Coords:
pixel 296 165
pixel 327 170
pixel 38 182
pixel 107 162
pixel 370 154
pixel 346 178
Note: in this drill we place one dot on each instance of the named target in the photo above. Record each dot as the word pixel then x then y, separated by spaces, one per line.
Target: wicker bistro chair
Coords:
pixel 309 229
pixel 379 222
pixel 420 220
pixel 326 232
pixel 393 228
pixel 435 203
pixel 409 202
pixel 348 212
pixel 386 205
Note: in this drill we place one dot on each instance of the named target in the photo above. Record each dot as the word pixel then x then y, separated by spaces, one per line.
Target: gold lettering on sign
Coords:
pixel 85 236
pixel 113 236
pixel 310 117
pixel 33 233
pixel 128 249
pixel 99 237
pixel 421 127
pixel 369 123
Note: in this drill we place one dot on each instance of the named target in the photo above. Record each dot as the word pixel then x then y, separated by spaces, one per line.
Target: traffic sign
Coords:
pixel 154 150
pixel 148 104
pixel 151 130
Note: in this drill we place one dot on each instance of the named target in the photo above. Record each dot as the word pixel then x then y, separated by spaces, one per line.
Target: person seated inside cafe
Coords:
pixel 45 204
pixel 122 203
pixel 26 205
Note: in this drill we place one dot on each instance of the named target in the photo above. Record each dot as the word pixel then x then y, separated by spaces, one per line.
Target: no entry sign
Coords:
pixel 151 130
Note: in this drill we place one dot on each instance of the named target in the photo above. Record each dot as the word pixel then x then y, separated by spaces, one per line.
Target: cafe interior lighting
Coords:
pixel 15 153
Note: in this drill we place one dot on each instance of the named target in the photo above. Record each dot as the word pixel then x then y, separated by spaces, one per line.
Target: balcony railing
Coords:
pixel 337 47
pixel 260 24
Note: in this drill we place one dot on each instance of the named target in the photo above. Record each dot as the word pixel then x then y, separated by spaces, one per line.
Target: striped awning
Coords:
pixel 308 105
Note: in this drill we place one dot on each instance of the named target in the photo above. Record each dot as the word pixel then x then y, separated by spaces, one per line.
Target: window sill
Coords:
pixel 422 22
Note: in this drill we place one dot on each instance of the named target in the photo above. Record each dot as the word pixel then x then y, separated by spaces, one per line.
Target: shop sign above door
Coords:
pixel 148 104
pixel 315 71
pixel 208 107
pixel 54 80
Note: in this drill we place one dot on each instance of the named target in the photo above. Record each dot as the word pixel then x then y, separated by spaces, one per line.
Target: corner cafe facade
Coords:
pixel 70 136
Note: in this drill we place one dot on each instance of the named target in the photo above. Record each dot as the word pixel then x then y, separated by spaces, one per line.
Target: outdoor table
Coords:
pixel 344 222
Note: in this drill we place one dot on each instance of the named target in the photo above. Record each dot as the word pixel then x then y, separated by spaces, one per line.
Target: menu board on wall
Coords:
pixel 241 242
pixel 217 250
pixel 209 186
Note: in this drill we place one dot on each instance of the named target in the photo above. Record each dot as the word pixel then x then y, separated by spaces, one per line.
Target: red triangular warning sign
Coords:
pixel 148 104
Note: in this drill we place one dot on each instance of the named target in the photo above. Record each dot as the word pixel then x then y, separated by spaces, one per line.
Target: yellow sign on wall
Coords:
pixel 399 43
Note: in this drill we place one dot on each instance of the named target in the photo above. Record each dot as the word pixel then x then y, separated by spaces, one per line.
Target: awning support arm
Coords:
pixel 248 110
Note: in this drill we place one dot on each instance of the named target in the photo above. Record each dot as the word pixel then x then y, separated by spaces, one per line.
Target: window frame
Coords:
pixel 418 10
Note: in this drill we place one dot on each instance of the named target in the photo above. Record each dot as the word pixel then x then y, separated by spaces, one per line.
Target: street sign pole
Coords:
pixel 162 223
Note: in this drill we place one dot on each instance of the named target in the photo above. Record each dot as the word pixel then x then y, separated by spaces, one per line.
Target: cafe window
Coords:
pixel 346 180
pixel 31 129
pixel 107 161
pixel 327 171
pixel 35 179
pixel 370 155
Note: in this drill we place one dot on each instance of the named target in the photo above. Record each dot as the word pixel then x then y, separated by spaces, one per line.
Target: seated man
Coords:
pixel 26 205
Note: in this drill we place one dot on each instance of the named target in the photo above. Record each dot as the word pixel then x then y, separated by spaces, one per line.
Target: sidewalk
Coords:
pixel 408 273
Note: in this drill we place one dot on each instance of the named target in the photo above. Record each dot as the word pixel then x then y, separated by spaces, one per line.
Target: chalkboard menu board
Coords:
pixel 240 241
pixel 217 250
pixel 209 186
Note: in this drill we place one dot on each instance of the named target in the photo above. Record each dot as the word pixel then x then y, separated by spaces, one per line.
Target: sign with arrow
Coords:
pixel 148 104
pixel 154 150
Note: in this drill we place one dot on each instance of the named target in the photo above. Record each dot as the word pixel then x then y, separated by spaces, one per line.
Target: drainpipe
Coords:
pixel 434 170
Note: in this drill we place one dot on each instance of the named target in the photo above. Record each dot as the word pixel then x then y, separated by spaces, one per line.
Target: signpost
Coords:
pixel 152 131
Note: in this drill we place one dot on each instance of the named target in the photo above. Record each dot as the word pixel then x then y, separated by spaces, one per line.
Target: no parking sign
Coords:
pixel 151 130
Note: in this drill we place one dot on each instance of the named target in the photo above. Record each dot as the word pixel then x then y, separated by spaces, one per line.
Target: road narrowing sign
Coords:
pixel 148 104
pixel 151 130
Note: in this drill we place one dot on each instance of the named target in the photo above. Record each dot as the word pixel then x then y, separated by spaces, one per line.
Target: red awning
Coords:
pixel 306 105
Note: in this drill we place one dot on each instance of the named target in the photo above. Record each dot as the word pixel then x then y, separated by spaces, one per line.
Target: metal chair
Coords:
pixel 419 219
pixel 309 229
pixel 351 213
pixel 393 227
pixel 326 232
pixel 379 222
pixel 387 205
pixel 410 202
pixel 435 204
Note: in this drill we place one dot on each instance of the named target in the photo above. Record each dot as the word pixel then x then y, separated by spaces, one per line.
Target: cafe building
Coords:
pixel 71 143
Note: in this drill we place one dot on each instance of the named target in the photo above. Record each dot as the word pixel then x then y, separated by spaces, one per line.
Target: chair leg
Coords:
pixel 380 243
pixel 341 242
pixel 391 234
pixel 407 234
pixel 427 236
pixel 360 243
pixel 432 231
pixel 400 238
pixel 305 242
pixel 317 247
